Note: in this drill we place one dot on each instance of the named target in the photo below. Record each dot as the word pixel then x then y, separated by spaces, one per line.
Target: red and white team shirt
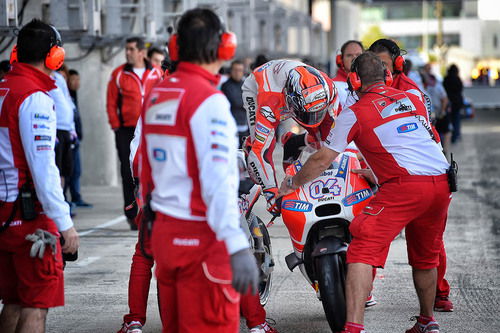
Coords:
pixel 389 128
pixel 188 150
pixel 27 140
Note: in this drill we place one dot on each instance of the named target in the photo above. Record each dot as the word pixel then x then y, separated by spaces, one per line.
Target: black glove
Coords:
pixel 245 272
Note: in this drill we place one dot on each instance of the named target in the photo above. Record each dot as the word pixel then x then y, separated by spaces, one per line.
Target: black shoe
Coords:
pixel 82 203
pixel 131 223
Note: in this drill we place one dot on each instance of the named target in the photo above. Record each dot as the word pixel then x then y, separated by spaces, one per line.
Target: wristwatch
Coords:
pixel 289 183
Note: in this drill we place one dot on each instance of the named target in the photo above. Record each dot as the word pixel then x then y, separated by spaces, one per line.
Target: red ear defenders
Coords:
pixel 338 60
pixel 354 81
pixel 54 59
pixel 225 51
pixel 398 63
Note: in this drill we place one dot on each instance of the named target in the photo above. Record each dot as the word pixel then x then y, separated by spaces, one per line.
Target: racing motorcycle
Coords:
pixel 255 229
pixel 317 216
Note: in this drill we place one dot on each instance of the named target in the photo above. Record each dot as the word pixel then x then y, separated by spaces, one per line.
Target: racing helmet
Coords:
pixel 309 96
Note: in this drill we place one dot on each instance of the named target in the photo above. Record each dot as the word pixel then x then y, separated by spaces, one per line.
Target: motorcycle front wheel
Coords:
pixel 331 272
pixel 266 265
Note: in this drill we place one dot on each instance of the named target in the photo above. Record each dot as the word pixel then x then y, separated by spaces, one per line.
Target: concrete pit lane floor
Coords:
pixel 96 285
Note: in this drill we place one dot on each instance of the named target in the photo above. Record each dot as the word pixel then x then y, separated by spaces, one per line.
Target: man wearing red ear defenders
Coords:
pixel 189 177
pixel 390 54
pixel 348 52
pixel 33 213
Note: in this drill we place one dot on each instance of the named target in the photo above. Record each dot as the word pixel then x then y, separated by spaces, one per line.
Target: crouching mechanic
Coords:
pixel 391 55
pixel 32 206
pixel 392 130
pixel 189 171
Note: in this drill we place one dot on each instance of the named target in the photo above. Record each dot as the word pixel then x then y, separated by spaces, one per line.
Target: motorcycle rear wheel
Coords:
pixel 331 272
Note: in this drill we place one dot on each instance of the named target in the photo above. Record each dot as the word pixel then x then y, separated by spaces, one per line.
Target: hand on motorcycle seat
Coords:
pixel 273 204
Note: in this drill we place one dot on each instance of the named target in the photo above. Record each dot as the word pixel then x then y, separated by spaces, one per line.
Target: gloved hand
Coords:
pixel 273 204
pixel 245 272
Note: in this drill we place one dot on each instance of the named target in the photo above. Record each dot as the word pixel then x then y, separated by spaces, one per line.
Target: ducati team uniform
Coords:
pixel 391 132
pixel 264 102
pixel 125 96
pixel 140 269
pixel 403 82
pixel 189 169
pixel 27 163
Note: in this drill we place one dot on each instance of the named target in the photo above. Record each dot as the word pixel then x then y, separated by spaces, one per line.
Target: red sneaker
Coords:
pixel 431 327
pixel 443 304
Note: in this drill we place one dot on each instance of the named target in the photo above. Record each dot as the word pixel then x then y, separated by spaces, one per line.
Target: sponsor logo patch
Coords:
pixel 357 197
pixel 297 206
pixel 263 67
pixel 220 122
pixel 216 146
pixel 405 128
pixel 186 241
pixel 268 113
pixel 255 173
pixel 41 126
pixel 218 158
pixel 251 110
pixel 218 133
pixel 260 138
pixel 41 116
pixel 42 138
pixel 342 173
pixel 262 129
pixel 297 165
pixel 159 154
pixel 43 147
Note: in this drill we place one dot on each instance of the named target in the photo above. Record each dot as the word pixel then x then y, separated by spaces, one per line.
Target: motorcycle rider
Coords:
pixel 274 92
pixel 392 130
pixel 390 54
pixel 189 180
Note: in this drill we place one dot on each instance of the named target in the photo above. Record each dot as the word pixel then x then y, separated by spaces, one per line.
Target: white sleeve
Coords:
pixel 338 138
pixel 214 134
pixel 37 127
pixel 134 145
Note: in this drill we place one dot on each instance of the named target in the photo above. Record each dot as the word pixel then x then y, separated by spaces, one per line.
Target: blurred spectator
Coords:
pixel 259 61
pixel 4 68
pixel 127 87
pixel 454 87
pixel 65 125
pixel 73 182
pixel 156 56
pixel 413 74
pixel 439 104
pixel 232 89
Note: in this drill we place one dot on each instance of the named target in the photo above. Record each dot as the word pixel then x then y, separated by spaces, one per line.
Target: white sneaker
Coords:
pixel 263 328
pixel 132 327
pixel 370 301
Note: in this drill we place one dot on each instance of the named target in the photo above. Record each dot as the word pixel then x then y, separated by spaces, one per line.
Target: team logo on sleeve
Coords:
pixel 159 154
pixel 409 127
pixel 268 113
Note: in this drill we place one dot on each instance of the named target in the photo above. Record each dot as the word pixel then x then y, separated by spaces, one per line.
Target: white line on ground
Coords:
pixel 114 221
pixel 87 261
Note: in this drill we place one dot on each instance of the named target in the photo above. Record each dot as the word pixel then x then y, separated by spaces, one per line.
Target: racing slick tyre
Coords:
pixel 266 264
pixel 331 272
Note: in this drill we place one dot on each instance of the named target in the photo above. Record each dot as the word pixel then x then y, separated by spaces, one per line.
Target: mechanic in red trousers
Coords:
pixel 189 177
pixel 392 130
pixel 142 261
pixel 33 213
pixel 390 54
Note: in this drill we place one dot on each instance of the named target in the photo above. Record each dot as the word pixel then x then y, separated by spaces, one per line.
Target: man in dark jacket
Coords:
pixel 232 89
pixel 453 86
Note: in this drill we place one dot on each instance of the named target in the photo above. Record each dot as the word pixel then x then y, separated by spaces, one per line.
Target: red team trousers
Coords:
pixel 194 277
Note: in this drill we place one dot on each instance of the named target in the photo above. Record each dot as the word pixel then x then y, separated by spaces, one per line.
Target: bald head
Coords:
pixel 369 68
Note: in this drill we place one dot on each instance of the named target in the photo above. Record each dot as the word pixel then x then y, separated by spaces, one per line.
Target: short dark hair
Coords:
pixel 139 42
pixel 73 72
pixel 369 68
pixel 153 49
pixel 385 45
pixel 237 62
pixel 34 41
pixel 352 41
pixel 199 31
